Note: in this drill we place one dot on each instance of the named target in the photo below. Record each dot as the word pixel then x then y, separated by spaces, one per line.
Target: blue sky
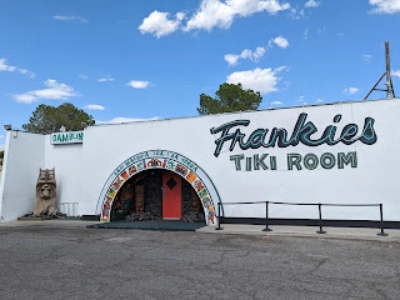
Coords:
pixel 125 60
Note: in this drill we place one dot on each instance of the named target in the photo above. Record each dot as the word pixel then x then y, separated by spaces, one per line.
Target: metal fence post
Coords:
pixel 382 233
pixel 219 217
pixel 320 231
pixel 266 217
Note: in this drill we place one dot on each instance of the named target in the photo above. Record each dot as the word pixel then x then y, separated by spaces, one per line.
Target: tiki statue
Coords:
pixel 45 193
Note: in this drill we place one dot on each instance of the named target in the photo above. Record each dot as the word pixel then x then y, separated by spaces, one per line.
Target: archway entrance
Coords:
pixel 175 166
pixel 154 195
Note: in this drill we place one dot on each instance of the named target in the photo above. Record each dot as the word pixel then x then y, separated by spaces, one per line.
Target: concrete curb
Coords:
pixel 49 223
pixel 365 234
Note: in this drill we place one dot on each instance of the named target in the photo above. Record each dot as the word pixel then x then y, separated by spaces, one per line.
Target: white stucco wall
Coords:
pixel 82 170
pixel 67 161
pixel 373 181
pixel 24 155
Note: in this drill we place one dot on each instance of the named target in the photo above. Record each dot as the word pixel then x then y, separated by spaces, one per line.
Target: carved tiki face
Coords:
pixel 46 191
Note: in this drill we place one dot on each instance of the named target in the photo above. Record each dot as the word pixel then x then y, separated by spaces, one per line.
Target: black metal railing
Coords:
pixel 320 221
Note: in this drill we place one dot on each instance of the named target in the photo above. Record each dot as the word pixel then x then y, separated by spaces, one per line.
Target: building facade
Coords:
pixel 342 153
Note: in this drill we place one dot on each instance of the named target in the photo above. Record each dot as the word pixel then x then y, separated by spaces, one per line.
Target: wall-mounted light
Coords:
pixel 8 127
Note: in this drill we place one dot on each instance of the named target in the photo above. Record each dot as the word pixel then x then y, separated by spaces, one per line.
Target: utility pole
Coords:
pixel 388 77
pixel 389 83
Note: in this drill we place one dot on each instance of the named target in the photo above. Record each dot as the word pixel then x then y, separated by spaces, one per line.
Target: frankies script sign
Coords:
pixel 304 132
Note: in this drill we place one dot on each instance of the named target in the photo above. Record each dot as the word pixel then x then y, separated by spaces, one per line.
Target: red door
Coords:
pixel 172 197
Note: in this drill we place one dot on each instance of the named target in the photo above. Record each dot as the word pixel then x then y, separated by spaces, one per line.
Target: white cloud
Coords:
pixel 83 76
pixel 312 3
pixel 232 59
pixel 214 13
pixel 138 84
pixel 258 53
pixel 395 73
pixel 105 79
pixel 276 103
pixel 306 34
pixel 319 100
pixel 350 90
pixel 255 55
pixel 54 91
pixel 94 107
pixel 2 136
pixel 159 24
pixel 27 73
pixel 4 67
pixel 385 6
pixel 210 14
pixel 296 14
pixel 70 18
pixel 118 120
pixel 262 80
pixel 280 41
pixel 367 58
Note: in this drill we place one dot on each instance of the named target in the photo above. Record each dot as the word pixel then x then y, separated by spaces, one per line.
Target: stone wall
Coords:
pixel 152 194
pixel 191 205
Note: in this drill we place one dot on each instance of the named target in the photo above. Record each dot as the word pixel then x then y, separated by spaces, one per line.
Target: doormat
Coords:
pixel 163 225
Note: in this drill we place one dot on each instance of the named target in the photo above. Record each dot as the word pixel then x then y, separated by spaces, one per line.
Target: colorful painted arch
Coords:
pixel 160 159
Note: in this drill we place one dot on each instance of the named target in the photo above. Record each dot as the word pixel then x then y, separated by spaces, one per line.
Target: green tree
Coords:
pixel 229 98
pixel 47 119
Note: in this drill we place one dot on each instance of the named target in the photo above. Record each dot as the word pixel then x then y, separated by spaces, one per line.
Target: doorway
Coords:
pixel 157 195
pixel 171 196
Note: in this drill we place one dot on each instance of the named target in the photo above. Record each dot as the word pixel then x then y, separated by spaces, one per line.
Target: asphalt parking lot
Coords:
pixel 39 262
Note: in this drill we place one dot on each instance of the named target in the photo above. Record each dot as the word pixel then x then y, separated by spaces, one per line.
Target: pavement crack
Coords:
pixel 320 264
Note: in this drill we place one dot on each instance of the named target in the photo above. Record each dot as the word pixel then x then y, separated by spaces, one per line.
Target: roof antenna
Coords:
pixel 389 83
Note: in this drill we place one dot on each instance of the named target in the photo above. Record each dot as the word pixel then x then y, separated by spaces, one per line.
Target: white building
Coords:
pixel 342 153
